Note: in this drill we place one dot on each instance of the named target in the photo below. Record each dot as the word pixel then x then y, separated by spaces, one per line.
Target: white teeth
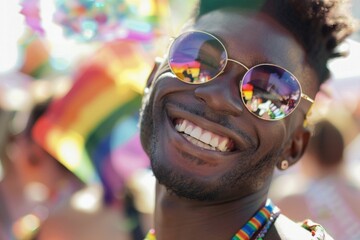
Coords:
pixel 209 147
pixel 194 141
pixel 187 137
pixel 222 145
pixel 214 141
pixel 206 137
pixel 188 129
pixel 196 132
pixel 201 137
pixel 182 126
pixel 198 143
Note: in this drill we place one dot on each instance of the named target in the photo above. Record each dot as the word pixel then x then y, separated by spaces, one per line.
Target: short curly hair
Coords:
pixel 319 25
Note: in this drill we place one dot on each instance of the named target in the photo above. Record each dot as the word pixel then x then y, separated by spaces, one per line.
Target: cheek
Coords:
pixel 167 83
pixel 272 137
pixel 280 134
pixel 296 120
pixel 150 114
pixel 145 126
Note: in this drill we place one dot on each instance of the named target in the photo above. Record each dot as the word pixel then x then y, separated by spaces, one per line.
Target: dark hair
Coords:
pixel 319 25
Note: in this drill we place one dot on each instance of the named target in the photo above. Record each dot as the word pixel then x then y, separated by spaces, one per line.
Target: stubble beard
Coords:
pixel 244 176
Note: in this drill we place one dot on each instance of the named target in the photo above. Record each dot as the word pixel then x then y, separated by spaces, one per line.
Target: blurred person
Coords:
pixel 34 182
pixel 322 190
pixel 352 150
pixel 5 221
pixel 93 131
pixel 348 93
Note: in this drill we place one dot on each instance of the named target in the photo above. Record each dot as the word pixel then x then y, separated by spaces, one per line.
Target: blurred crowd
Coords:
pixel 71 164
pixel 325 185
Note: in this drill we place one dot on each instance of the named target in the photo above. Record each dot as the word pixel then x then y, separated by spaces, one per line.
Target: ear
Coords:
pixel 150 80
pixel 295 147
pixel 153 73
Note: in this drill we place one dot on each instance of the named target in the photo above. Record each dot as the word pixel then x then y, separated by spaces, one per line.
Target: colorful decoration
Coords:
pixel 92 130
pixel 31 10
pixel 98 20
pixel 262 219
pixel 35 55
pixel 316 230
pixel 104 20
pixel 259 221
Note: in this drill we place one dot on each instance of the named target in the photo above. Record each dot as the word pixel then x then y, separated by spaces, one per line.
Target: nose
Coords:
pixel 222 94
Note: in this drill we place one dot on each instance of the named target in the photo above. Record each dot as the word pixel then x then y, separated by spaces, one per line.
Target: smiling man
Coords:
pixel 214 141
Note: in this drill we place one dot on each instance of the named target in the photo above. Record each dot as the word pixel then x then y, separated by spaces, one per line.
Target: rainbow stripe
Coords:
pixel 258 221
pixel 88 129
pixel 255 223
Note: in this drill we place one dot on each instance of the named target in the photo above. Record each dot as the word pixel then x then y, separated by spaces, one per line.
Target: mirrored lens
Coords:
pixel 270 92
pixel 197 57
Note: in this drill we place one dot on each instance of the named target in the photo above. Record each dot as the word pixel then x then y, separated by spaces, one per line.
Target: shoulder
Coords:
pixel 295 206
pixel 287 229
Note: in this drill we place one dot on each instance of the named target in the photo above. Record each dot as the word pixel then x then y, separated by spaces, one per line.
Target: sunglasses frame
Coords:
pixel 227 59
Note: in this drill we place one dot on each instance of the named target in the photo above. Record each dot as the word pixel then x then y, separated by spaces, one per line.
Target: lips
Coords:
pixel 202 137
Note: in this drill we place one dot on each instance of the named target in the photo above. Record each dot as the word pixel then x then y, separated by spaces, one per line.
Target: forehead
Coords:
pixel 253 34
pixel 254 38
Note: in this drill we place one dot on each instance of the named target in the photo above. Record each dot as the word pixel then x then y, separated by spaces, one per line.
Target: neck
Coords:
pixel 179 218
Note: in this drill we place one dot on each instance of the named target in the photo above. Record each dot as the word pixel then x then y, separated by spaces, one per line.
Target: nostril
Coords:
pixel 201 99
pixel 201 95
pixel 220 97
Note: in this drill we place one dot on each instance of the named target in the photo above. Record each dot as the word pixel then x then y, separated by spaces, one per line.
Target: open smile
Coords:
pixel 203 138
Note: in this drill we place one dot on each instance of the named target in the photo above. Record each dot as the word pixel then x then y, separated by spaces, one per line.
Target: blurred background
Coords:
pixel 325 184
pixel 72 73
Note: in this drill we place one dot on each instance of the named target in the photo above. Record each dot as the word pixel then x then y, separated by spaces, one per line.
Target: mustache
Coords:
pixel 216 117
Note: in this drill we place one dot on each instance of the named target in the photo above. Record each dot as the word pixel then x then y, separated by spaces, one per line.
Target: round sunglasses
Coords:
pixel 268 91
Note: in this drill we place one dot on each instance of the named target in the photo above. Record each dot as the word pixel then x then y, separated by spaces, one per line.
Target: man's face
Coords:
pixel 247 148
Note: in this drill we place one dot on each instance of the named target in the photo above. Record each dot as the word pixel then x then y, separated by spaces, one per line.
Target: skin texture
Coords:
pixel 204 194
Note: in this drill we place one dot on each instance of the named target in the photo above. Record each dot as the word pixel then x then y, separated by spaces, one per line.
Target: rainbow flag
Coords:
pixel 92 130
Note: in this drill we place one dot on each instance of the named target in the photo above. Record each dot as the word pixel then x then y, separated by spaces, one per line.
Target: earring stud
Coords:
pixel 284 164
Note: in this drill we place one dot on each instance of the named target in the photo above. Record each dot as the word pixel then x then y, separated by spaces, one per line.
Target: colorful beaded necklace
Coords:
pixel 262 219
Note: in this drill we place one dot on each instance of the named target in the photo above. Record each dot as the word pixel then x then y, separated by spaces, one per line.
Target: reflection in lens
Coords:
pixel 270 92
pixel 197 57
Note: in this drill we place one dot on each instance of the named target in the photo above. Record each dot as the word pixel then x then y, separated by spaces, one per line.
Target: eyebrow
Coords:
pixel 250 62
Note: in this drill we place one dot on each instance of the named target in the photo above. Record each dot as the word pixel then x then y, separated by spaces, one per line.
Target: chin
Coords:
pixel 240 181
pixel 184 186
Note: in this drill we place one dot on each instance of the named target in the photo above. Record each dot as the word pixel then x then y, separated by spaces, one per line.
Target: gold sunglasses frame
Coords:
pixel 227 59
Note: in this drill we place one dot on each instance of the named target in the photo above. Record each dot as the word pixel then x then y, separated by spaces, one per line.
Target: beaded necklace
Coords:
pixel 263 219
